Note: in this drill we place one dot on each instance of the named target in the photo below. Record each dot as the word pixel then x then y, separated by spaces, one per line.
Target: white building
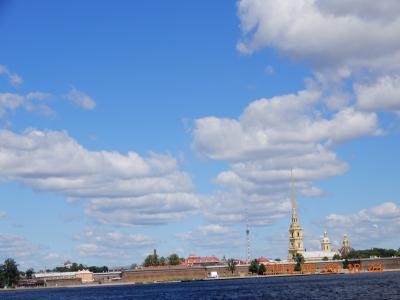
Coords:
pixel 326 251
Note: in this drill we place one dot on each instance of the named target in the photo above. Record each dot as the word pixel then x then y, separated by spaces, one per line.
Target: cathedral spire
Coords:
pixel 295 230
pixel 294 206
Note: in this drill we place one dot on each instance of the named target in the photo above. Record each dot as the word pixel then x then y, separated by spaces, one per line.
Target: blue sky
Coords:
pixel 83 84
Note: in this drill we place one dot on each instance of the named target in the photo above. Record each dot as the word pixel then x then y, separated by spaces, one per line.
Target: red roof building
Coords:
pixel 202 261
pixel 263 260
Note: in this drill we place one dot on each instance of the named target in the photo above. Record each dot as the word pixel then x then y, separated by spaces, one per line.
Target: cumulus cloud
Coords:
pixel 271 137
pixel 382 95
pixel 32 102
pixel 13 78
pixel 371 225
pixel 81 99
pixel 119 189
pixel 328 34
pixel 15 246
pixel 112 246
pixel 211 238
pixel 340 40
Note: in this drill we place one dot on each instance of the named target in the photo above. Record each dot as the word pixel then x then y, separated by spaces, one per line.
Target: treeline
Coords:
pixel 79 267
pixel 153 260
pixel 374 252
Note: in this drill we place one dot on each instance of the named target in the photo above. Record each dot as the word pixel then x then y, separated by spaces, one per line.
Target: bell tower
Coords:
pixel 295 230
pixel 326 243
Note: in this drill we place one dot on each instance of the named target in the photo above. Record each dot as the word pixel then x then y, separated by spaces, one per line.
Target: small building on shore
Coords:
pixel 84 276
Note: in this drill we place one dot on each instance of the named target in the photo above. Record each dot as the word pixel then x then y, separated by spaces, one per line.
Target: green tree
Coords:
pixel 336 257
pixel 299 259
pixel 232 265
pixel 261 269
pixel 29 273
pixel 345 263
pixel 254 265
pixel 325 258
pixel 96 269
pixel 10 273
pixel 162 261
pixel 151 261
pixel 174 259
pixel 277 259
pixel 373 252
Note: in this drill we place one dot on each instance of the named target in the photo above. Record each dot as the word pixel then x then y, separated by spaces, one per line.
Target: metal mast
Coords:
pixel 248 251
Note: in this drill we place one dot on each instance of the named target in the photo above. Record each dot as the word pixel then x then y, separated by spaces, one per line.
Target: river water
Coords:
pixel 352 286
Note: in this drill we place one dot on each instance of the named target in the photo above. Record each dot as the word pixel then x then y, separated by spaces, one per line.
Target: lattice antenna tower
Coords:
pixel 248 249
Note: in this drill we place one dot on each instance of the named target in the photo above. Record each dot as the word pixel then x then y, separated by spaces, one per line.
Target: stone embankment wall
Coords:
pixel 63 282
pixel 388 264
pixel 198 273
pixel 164 274
pixel 188 273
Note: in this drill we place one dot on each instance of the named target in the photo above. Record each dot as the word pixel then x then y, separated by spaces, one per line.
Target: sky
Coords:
pixel 141 125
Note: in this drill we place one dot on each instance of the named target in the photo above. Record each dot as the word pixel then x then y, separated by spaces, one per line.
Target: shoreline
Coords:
pixel 122 283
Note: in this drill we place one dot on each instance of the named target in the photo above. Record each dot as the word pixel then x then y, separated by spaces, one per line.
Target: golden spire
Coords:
pixel 294 207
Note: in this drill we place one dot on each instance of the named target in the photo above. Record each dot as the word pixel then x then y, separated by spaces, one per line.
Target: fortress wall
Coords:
pixel 63 282
pixel 189 273
pixel 164 274
pixel 388 264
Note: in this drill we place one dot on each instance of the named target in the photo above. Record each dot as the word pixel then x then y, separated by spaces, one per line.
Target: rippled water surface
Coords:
pixel 356 286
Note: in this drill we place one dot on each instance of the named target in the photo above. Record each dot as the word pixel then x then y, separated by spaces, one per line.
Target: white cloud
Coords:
pixel 113 247
pixel 81 99
pixel 112 244
pixel 327 34
pixel 368 227
pixel 14 78
pixel 382 95
pixel 358 41
pixel 271 137
pixel 119 189
pixel 211 238
pixel 15 246
pixel 32 102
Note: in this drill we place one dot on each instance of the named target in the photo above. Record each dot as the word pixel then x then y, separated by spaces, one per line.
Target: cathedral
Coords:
pixel 295 230
pixel 296 245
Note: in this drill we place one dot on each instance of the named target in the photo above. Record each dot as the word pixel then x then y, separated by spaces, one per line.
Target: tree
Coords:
pixel 95 269
pixel 374 252
pixel 261 269
pixel 345 263
pixel 254 265
pixel 174 259
pixel 325 258
pixel 29 273
pixel 277 259
pixel 162 261
pixel 232 265
pixel 10 273
pixel 151 261
pixel 336 257
pixel 299 259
